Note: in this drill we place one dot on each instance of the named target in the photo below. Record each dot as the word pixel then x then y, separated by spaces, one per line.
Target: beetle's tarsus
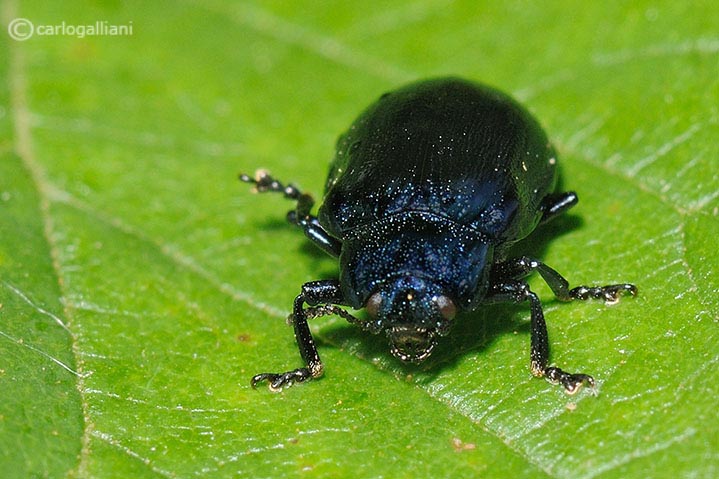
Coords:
pixel 572 382
pixel 284 380
pixel 265 182
pixel 610 293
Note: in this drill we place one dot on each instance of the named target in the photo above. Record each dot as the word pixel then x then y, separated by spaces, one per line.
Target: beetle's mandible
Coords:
pixel 427 190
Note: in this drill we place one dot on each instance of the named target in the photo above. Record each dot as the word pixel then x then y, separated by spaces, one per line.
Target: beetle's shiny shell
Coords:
pixel 459 150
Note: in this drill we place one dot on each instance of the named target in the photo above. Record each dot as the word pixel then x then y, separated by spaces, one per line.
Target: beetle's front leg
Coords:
pixel 313 293
pixel 519 291
pixel 539 354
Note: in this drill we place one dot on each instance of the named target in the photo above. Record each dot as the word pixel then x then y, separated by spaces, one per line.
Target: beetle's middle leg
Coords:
pixel 300 216
pixel 520 267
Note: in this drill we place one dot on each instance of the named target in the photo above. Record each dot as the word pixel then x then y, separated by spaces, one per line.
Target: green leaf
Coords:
pixel 141 285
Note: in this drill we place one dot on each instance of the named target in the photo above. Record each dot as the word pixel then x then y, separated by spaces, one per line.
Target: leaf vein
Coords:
pixel 267 23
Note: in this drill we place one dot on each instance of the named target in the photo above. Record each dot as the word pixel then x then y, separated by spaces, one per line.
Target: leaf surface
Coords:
pixel 141 285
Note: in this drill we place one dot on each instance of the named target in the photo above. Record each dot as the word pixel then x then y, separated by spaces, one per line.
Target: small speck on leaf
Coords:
pixel 458 445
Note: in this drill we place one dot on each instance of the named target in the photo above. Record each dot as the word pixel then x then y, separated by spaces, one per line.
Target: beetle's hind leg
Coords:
pixel 300 216
pixel 557 203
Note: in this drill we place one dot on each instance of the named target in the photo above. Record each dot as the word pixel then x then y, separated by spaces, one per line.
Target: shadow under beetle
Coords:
pixel 428 189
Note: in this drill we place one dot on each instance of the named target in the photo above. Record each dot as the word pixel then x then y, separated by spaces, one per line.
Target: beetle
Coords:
pixel 428 189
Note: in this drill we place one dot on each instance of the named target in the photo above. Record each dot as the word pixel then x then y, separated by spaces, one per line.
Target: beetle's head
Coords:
pixel 414 313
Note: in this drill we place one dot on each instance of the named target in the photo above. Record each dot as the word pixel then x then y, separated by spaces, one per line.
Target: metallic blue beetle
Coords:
pixel 428 189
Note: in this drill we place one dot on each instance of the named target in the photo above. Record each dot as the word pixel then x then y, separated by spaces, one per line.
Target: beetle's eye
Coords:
pixel 373 304
pixel 446 307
